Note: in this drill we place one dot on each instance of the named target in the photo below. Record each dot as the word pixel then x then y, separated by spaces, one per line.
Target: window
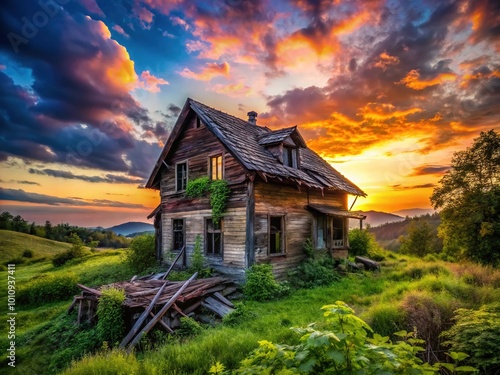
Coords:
pixel 180 177
pixel 290 157
pixel 276 235
pixel 178 235
pixel 216 167
pixel 321 232
pixel 198 123
pixel 213 237
pixel 338 232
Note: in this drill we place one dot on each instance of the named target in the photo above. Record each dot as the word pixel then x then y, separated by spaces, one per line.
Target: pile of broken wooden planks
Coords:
pixel 152 300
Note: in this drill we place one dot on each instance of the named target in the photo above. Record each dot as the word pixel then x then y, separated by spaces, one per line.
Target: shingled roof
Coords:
pixel 247 141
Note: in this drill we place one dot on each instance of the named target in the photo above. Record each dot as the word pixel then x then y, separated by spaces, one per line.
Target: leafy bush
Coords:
pixel 198 263
pixel 189 327
pixel 110 323
pixel 142 253
pixel 75 251
pixel 240 314
pixel 477 332
pixel 386 319
pixel 361 242
pixel 106 363
pixel 198 187
pixel 28 253
pixel 260 283
pixel 47 288
pixel 345 349
pixel 313 272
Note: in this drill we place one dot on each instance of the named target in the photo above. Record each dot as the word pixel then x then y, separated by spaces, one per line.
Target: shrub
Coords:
pixel 478 333
pixel 48 288
pixel 106 363
pixel 189 327
pixel 110 323
pixel 362 242
pixel 28 253
pixel 260 283
pixel 239 315
pixel 198 261
pixel 142 253
pixel 313 272
pixel 219 194
pixel 75 251
pixel 386 319
pixel 344 349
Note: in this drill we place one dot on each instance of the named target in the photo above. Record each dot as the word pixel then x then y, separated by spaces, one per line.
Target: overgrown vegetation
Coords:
pixel 110 324
pixel 362 242
pixel 47 288
pixel 198 262
pixel 421 239
pixel 347 347
pixel 141 255
pixel 260 284
pixel 76 250
pixel 219 193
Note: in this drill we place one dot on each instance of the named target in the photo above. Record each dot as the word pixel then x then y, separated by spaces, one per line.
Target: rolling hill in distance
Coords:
pixel 132 227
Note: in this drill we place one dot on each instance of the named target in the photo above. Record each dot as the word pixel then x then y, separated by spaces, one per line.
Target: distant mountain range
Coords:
pixel 375 218
pixel 411 212
pixel 132 227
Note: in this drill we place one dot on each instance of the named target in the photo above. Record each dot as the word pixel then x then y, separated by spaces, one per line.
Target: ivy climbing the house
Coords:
pixel 218 190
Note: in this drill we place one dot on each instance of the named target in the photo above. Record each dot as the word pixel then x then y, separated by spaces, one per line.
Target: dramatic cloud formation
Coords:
pixel 94 87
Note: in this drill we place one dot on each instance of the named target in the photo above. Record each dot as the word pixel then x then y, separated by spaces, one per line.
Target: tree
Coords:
pixel 421 239
pixel 469 199
pixel 48 229
pixel 6 220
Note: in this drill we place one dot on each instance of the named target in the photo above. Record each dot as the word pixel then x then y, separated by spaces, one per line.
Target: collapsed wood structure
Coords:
pixel 151 301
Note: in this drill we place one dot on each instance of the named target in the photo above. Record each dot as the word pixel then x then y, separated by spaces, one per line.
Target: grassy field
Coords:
pixel 406 290
pixel 13 245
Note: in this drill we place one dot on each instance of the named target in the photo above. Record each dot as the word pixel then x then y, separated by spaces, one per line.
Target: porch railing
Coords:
pixel 337 243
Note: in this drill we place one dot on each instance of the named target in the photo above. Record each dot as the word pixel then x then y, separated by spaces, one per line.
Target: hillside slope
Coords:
pixel 13 244
pixel 132 227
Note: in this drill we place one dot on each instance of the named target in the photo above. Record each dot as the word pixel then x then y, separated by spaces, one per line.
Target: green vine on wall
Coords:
pixel 219 194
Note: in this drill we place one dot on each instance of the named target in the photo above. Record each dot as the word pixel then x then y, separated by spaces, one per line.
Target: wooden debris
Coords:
pixel 368 263
pixel 152 301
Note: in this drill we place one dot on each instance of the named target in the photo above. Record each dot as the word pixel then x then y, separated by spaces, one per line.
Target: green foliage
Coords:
pixel 110 324
pixel 198 187
pixel 240 314
pixel 477 332
pixel 219 194
pixel 189 327
pixel 47 288
pixel 421 239
pixel 309 248
pixel 313 272
pixel 469 199
pixel 141 255
pixel 345 348
pixel 386 318
pixel 75 251
pixel 261 285
pixel 198 263
pixel 116 362
pixel 362 242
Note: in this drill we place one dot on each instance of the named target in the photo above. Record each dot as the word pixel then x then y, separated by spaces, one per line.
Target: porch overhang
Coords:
pixel 154 212
pixel 335 211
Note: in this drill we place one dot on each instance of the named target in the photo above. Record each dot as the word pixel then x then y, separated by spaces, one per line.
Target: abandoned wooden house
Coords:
pixel 282 193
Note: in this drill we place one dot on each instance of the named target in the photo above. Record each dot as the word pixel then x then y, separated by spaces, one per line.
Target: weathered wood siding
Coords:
pixel 276 200
pixel 195 145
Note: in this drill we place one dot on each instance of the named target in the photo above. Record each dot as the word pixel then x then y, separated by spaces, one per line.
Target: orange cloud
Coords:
pixel 412 80
pixel 210 71
pixel 386 60
pixel 384 111
pixel 150 83
pixel 234 89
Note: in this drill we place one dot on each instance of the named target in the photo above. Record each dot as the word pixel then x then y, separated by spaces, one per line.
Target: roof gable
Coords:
pixel 247 141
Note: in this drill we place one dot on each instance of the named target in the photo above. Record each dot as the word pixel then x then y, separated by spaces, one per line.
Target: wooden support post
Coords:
pixel 141 319
pixel 158 316
pixel 173 263
pixel 250 230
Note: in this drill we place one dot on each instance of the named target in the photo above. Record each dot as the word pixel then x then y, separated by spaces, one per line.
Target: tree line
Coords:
pixel 63 232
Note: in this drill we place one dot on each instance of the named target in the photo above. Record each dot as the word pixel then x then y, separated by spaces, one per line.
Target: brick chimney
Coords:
pixel 252 117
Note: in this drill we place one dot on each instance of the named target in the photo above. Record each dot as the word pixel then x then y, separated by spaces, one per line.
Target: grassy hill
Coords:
pixel 13 245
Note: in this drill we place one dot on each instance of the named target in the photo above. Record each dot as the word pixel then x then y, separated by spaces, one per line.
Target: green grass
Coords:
pixel 13 245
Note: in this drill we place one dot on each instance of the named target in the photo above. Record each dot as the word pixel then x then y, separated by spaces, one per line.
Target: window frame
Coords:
pixel 207 233
pixel 184 162
pixel 282 217
pixel 174 231
pixel 292 157
pixel 210 169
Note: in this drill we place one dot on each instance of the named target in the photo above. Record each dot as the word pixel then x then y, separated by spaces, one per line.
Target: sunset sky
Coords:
pixel 386 91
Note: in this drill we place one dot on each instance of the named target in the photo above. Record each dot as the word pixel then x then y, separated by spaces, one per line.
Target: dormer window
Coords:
pixel 290 157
